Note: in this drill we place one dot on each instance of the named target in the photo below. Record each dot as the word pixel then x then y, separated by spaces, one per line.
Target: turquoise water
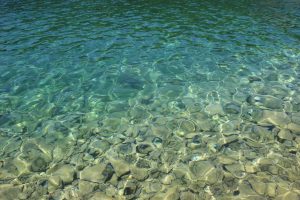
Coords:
pixel 150 100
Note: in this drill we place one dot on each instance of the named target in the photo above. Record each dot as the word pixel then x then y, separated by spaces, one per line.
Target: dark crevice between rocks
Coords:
pixel 128 191
pixel 125 174
pixel 108 172
pixel 294 152
pixel 236 193
pixel 270 127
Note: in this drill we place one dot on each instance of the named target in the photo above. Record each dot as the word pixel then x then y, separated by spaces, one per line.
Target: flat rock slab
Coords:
pixel 98 173
pixel 93 173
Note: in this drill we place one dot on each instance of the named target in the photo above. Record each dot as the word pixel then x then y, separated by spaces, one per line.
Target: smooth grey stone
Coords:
pixel 232 108
pixel 39 165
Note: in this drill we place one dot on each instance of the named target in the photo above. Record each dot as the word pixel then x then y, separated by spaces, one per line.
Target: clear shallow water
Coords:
pixel 150 100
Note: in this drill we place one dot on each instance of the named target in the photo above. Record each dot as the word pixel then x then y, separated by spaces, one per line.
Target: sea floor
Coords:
pixel 164 101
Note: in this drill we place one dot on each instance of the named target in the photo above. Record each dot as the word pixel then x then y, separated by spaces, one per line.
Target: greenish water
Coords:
pixel 150 100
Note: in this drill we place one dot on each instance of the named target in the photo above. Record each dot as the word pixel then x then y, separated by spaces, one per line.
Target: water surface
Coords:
pixel 150 99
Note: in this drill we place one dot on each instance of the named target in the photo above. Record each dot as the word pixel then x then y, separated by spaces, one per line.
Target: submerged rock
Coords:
pixel 250 168
pixel 86 187
pixel 205 171
pixel 54 182
pixel 253 79
pixel 144 148
pixel 214 109
pixel 65 172
pixel 172 194
pixel 290 195
pixel 285 134
pixel 99 146
pixel 237 170
pixel 120 167
pixel 130 80
pixel 143 163
pixel 139 113
pixel 108 172
pixel 111 124
pixel 265 101
pixel 100 196
pixel 245 191
pixel 232 108
pixel 271 189
pixel 139 174
pixel 125 148
pixel 10 191
pixel 99 173
pixel 188 196
pixel 130 190
pixel 258 187
pixel 295 128
pixel 167 180
pixel 227 160
pixel 157 142
pixel 38 164
pixel 187 126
